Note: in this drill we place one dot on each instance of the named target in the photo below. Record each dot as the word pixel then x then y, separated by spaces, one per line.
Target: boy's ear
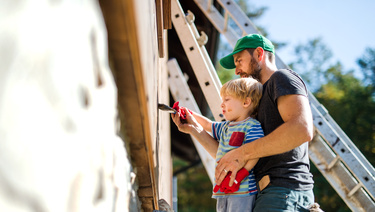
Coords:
pixel 247 102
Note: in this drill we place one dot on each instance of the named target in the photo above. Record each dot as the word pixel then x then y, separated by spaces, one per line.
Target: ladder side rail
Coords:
pixel 342 149
pixel 335 172
pixel 202 41
pixel 342 135
pixel 197 60
pixel 181 92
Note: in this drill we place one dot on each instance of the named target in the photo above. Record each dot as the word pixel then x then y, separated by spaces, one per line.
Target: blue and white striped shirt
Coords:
pixel 232 135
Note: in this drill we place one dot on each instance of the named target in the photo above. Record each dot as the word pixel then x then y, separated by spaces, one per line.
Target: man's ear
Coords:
pixel 247 102
pixel 259 53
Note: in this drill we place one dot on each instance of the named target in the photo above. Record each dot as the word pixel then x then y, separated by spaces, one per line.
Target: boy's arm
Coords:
pixel 195 129
pixel 204 122
pixel 250 164
pixel 207 141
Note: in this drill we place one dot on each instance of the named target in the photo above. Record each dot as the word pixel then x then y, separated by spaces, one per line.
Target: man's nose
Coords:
pixel 237 71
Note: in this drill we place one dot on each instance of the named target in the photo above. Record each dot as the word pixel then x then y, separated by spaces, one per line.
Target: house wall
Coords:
pixel 58 111
pixel 141 78
pixel 155 76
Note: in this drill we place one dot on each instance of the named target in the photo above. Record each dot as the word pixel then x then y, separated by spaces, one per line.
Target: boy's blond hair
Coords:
pixel 243 88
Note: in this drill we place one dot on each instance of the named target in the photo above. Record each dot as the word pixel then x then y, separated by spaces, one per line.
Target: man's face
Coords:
pixel 246 66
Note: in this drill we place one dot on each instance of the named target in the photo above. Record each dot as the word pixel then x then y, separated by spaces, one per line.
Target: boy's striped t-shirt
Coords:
pixel 232 135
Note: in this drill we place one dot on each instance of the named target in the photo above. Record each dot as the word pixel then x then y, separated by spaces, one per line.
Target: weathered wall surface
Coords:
pixel 155 76
pixel 141 78
pixel 58 145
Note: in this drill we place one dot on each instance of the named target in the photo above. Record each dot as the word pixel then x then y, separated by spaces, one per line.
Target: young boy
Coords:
pixel 240 99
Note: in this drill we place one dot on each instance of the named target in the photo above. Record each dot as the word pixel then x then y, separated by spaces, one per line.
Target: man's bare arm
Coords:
pixel 296 129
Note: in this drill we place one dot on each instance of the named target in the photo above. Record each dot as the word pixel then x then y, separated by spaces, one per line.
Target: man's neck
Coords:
pixel 266 73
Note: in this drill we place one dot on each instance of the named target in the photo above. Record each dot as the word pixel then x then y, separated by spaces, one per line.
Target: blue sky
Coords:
pixel 347 27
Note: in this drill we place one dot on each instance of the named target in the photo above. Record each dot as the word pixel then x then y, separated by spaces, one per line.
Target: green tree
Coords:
pixel 194 187
pixel 312 59
pixel 367 65
pixel 352 105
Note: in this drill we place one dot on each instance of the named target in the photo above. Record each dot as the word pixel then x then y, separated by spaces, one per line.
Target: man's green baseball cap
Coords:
pixel 250 41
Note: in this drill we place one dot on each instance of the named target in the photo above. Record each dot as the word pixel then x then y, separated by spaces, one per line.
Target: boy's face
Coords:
pixel 233 108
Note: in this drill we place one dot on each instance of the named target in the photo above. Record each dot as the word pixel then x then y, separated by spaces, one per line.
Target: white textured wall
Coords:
pixel 58 145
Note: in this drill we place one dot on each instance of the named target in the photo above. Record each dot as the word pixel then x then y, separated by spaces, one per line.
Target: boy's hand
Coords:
pixel 188 124
pixel 181 111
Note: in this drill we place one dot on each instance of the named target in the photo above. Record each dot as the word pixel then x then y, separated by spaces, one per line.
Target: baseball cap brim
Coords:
pixel 250 41
pixel 228 61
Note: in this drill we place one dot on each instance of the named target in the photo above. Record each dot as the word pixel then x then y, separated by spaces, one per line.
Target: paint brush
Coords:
pixel 166 108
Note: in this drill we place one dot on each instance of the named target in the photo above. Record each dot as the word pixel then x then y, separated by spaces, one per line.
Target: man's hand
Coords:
pixel 230 162
pixel 226 188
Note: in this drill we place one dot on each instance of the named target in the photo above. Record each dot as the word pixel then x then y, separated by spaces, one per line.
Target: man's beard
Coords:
pixel 256 70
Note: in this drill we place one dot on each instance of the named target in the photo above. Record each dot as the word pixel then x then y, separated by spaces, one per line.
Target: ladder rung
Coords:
pixel 340 178
pixel 333 163
pixel 341 148
pixel 219 22
pixel 209 4
pixel 226 17
pixel 238 15
pixel 355 189
pixel 342 135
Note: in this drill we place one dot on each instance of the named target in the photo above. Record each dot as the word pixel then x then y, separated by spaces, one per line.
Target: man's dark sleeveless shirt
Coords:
pixel 290 169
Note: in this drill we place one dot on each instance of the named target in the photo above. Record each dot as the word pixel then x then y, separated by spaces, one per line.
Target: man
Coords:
pixel 282 173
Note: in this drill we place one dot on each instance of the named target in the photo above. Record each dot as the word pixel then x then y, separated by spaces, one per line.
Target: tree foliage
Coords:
pixel 311 62
pixel 194 188
pixel 367 65
pixel 352 105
